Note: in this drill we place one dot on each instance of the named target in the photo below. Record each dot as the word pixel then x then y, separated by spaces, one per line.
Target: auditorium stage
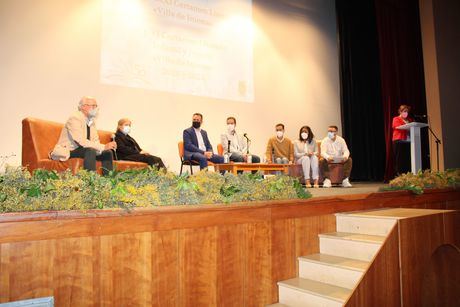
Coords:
pixel 209 255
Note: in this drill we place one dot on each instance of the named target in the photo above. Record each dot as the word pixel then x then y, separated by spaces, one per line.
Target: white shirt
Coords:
pixel 237 144
pixel 199 136
pixel 334 149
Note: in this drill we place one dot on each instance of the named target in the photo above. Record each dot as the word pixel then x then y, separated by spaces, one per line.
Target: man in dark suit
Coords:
pixel 197 146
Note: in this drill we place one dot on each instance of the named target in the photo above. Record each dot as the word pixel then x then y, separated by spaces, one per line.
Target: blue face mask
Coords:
pixel 330 134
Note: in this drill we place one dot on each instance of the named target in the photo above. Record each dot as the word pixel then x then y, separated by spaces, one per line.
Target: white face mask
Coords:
pixel 279 134
pixel 126 129
pixel 231 127
pixel 331 135
pixel 93 112
pixel 304 135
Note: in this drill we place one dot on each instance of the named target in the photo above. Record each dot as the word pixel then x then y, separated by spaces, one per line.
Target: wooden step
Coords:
pixel 354 237
pixel 356 246
pixel 334 270
pixel 306 292
pixel 352 223
pixel 341 262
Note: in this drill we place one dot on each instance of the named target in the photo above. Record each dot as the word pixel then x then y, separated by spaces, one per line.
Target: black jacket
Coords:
pixel 126 145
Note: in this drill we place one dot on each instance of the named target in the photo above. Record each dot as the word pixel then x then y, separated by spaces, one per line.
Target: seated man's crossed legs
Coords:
pixel 203 160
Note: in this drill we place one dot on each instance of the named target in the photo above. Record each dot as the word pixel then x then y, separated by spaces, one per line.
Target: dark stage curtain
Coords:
pixel 381 68
pixel 401 62
pixel 362 119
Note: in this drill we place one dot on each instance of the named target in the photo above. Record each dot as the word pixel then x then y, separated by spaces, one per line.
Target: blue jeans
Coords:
pixel 201 158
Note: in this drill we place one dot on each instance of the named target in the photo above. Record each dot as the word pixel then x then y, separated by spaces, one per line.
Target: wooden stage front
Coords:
pixel 210 255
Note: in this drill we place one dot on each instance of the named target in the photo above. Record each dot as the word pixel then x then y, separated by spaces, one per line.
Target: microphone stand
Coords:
pixel 248 141
pixel 114 150
pixel 438 141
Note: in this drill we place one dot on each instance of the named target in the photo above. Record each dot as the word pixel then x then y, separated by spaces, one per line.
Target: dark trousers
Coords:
pixel 235 157
pixel 149 159
pixel 324 167
pixel 90 156
pixel 200 158
pixel 401 154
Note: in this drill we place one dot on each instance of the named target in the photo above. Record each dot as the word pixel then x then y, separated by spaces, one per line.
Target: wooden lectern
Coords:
pixel 415 144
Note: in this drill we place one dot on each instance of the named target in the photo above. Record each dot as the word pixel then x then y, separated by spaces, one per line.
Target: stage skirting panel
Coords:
pixel 219 255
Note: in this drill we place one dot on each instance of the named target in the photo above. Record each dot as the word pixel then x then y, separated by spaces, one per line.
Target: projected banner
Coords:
pixel 197 47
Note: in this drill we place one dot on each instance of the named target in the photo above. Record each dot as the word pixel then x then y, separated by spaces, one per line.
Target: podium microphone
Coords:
pixel 248 141
pixel 246 136
pixel 112 137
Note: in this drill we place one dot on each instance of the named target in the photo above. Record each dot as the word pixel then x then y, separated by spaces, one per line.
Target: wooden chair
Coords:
pixel 220 149
pixel 183 162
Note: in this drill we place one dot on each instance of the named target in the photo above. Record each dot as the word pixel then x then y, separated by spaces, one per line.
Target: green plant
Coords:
pixel 48 190
pixel 425 180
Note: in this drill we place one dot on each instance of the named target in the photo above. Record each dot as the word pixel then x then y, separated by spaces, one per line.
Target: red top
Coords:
pixel 399 134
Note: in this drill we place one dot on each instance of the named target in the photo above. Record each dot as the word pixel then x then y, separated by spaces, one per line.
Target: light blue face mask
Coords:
pixel 330 134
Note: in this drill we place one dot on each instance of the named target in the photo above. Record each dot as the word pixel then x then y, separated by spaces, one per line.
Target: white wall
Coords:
pixel 50 56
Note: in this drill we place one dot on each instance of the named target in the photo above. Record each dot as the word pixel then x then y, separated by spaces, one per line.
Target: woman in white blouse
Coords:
pixel 306 154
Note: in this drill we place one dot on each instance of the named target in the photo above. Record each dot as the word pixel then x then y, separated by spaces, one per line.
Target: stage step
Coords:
pixel 357 246
pixel 329 277
pixel 330 269
pixel 348 222
pixel 305 292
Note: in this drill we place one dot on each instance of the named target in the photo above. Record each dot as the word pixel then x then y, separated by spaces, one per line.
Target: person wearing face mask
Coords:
pixel 280 149
pixel 197 146
pixel 306 154
pixel 401 141
pixel 238 150
pixel 79 139
pixel 129 149
pixel 334 149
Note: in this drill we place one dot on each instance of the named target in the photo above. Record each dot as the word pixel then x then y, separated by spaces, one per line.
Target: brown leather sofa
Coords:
pixel 39 138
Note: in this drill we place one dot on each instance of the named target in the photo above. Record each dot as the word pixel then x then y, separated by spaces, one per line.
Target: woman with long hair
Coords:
pixel 306 154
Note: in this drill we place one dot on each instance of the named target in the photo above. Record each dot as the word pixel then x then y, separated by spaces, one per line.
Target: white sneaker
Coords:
pixel 327 183
pixel 346 183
